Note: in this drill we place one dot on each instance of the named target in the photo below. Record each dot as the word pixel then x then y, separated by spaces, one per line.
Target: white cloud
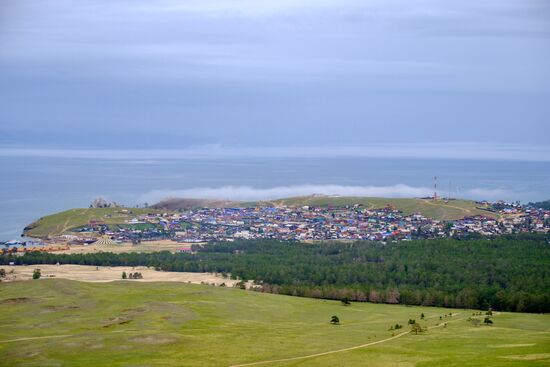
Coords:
pixel 439 151
pixel 244 193
pixel 243 7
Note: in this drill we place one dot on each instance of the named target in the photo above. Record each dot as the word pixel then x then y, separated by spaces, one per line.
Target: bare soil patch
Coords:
pixel 11 301
pixel 145 246
pixel 154 339
pixel 98 274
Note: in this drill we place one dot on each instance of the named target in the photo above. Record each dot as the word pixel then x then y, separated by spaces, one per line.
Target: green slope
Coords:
pixel 65 323
pixel 58 223
pixel 441 210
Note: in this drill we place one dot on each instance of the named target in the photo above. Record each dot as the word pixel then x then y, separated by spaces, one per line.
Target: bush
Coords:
pixel 36 274
pixel 241 284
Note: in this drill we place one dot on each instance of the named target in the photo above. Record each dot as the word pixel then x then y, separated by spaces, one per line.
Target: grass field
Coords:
pixel 58 223
pixel 54 322
pixel 440 210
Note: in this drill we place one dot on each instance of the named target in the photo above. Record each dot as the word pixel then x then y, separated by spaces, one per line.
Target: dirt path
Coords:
pixel 64 226
pixel 463 210
pixel 34 338
pixel 340 350
pixel 321 354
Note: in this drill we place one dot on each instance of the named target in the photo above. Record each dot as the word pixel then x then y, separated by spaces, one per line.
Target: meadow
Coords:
pixel 63 222
pixel 55 322
pixel 439 210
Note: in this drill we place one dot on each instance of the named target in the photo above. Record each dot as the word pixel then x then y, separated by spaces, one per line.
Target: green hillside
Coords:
pixel 51 322
pixel 58 223
pixel 441 210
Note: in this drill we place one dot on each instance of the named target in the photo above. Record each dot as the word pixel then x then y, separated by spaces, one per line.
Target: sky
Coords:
pixel 410 78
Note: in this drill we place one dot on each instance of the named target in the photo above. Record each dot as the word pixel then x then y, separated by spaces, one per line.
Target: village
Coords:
pixel 304 223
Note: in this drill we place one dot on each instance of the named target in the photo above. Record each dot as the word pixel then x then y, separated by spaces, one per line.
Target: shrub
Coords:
pixel 36 274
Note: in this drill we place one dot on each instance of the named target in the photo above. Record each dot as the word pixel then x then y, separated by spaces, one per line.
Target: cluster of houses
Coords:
pixel 292 223
pixel 312 223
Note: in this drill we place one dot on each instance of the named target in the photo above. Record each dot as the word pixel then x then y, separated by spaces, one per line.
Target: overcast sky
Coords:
pixel 252 74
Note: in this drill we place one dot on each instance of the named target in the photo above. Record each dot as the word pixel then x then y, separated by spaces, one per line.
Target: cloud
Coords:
pixel 501 152
pixel 246 193
pixel 247 8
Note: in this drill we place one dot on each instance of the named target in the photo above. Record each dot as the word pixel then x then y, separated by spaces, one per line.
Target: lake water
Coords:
pixel 32 187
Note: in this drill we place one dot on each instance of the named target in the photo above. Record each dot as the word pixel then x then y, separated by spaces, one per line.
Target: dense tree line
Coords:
pixel 541 204
pixel 510 273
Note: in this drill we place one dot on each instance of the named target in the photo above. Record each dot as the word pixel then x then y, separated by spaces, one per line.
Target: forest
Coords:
pixel 508 273
pixel 541 204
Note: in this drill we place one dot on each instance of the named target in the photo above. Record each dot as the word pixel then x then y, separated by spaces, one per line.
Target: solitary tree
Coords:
pixel 422 315
pixel 36 274
pixel 488 321
pixel 124 276
pixel 2 273
pixel 334 320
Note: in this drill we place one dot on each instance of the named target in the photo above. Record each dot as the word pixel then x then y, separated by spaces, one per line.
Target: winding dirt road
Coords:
pixel 340 350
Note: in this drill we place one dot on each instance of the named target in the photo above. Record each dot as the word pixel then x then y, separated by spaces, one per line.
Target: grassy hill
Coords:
pixel 441 210
pixel 58 223
pixel 59 322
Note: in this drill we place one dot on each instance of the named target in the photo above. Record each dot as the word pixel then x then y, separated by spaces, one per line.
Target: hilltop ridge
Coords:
pixel 436 209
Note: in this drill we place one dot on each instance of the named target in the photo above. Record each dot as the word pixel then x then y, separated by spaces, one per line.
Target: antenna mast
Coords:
pixel 435 187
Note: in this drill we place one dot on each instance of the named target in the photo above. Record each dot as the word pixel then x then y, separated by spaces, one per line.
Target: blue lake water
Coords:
pixel 32 187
